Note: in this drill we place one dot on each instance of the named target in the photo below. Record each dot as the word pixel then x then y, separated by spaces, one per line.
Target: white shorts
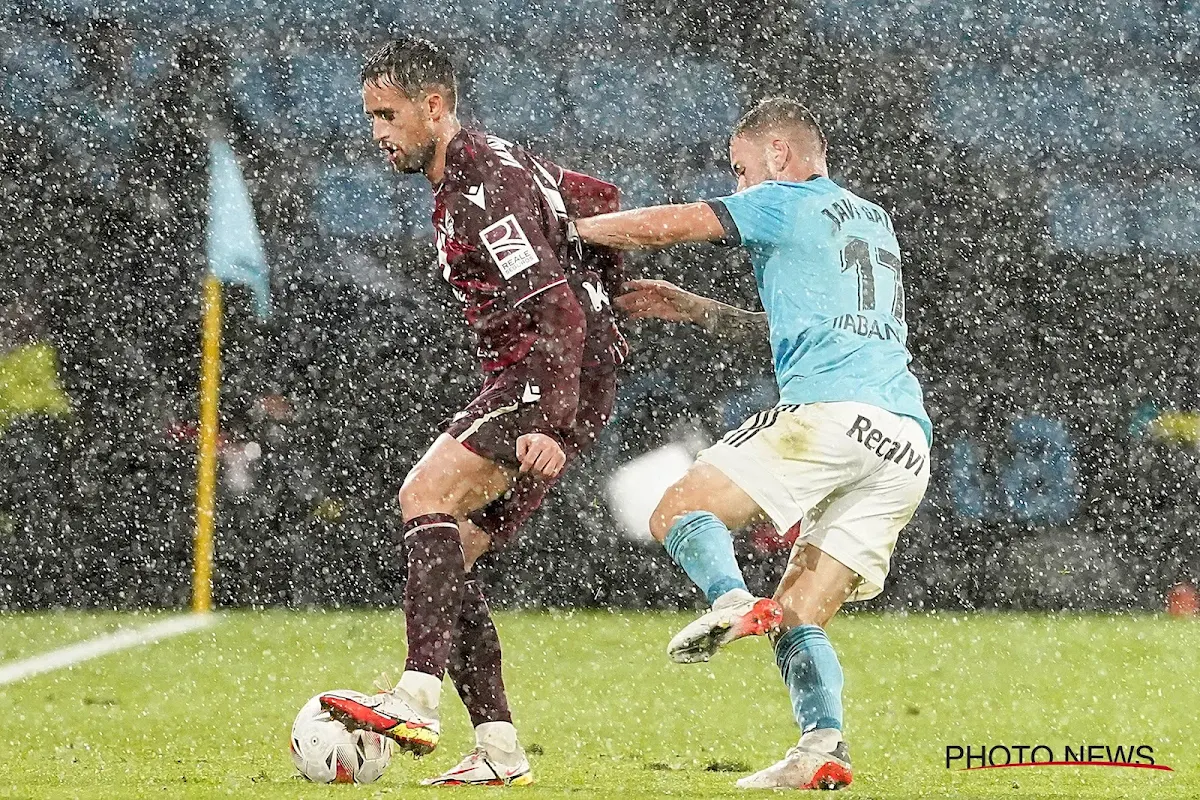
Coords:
pixel 851 473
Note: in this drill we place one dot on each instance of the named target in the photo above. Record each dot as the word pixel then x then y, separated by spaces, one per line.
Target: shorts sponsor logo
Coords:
pixel 898 452
pixel 532 394
pixel 509 246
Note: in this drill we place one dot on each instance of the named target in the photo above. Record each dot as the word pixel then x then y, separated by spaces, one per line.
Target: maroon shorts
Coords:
pixel 491 424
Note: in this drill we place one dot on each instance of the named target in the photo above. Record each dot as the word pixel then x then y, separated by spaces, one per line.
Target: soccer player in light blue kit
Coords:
pixel 846 452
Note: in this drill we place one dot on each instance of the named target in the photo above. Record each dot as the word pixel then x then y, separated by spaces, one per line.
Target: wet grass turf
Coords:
pixel 207 714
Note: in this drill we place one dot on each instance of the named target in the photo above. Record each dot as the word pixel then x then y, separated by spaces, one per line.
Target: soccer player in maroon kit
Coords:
pixel 538 302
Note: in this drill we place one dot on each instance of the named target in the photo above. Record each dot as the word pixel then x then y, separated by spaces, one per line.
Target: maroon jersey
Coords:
pixel 531 294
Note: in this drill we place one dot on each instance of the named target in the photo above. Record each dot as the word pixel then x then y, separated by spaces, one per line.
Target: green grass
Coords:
pixel 207 714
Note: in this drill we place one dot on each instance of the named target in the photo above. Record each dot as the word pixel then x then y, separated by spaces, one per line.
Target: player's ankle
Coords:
pixel 734 594
pixel 423 688
pixel 822 739
pixel 497 736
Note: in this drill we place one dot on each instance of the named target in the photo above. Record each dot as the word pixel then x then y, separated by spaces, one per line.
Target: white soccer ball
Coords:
pixel 325 752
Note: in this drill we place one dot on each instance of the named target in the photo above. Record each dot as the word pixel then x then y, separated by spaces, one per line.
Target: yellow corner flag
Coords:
pixel 235 255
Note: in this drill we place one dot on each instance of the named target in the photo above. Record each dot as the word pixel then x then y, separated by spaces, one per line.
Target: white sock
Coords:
pixel 497 736
pixel 424 688
pixel 822 739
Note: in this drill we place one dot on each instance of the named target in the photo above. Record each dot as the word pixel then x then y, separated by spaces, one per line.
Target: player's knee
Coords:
pixel 474 543
pixel 407 496
pixel 419 494
pixel 659 526
pixel 806 609
pixel 676 503
pixel 668 511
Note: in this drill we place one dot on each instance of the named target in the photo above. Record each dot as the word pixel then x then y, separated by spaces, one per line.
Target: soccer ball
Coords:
pixel 325 752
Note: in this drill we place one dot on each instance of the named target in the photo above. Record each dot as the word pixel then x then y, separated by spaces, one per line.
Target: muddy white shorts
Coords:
pixel 851 473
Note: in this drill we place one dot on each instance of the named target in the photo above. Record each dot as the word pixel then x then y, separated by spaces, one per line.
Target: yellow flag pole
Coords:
pixel 206 472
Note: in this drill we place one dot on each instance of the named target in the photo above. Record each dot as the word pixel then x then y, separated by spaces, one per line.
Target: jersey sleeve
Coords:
pixel 764 214
pixel 586 196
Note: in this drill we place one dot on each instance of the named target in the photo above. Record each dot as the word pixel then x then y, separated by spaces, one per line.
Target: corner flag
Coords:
pixel 235 248
pixel 235 255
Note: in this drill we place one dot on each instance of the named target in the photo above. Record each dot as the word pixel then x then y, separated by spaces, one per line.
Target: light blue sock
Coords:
pixel 813 676
pixel 701 544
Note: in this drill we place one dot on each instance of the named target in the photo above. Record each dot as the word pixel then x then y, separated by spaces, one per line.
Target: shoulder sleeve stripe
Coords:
pixel 733 236
pixel 536 292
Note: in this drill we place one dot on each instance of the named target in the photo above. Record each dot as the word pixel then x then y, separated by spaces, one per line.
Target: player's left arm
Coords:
pixel 654 299
pixel 652 227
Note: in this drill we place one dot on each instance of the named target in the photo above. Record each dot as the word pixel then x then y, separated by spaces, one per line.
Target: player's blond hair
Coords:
pixel 778 113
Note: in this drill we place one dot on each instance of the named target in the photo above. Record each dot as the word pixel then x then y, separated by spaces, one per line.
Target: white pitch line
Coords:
pixel 101 645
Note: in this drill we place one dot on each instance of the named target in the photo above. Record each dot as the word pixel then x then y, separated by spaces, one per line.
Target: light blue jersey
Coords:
pixel 827 266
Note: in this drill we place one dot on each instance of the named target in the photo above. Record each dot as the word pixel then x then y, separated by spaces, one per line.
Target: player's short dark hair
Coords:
pixel 778 112
pixel 413 66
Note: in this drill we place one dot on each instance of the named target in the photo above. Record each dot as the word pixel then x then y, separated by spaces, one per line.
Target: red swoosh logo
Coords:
pixel 1070 764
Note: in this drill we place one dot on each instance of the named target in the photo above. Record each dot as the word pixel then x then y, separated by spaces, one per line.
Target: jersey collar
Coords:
pixel 455 150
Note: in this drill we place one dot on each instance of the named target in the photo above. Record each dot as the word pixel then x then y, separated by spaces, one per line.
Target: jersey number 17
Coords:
pixel 857 255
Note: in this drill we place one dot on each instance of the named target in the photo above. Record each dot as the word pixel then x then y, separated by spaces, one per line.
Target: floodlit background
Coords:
pixel 1039 160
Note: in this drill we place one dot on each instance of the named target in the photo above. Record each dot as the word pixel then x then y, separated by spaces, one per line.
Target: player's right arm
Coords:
pixel 761 216
pixel 663 300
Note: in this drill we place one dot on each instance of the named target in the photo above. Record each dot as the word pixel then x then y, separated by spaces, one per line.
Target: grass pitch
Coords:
pixel 603 713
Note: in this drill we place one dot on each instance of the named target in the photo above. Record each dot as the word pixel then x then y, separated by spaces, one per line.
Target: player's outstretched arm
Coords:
pixel 652 299
pixel 652 227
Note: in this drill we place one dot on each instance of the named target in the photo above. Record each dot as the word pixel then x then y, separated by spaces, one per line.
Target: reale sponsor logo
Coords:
pixel 509 247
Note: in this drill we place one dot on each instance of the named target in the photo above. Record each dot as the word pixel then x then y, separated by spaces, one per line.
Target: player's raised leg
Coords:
pixel 813 588
pixel 693 521
pixel 449 482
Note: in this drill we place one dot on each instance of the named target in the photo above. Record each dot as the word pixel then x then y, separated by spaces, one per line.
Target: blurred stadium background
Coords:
pixel 1039 159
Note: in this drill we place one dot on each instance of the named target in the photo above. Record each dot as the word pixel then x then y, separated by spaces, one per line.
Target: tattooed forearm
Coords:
pixel 734 323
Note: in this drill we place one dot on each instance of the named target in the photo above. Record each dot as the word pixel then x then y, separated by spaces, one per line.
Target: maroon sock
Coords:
pixel 475 660
pixel 433 596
